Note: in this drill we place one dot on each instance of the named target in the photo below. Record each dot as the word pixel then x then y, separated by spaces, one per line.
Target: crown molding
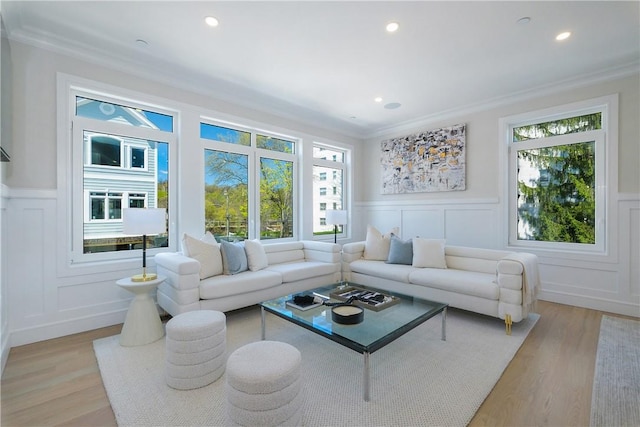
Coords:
pixel 171 75
pixel 234 94
pixel 612 73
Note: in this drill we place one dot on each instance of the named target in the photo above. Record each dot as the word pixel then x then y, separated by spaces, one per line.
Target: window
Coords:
pixel 329 171
pixel 226 194
pixel 125 152
pixel 249 190
pixel 557 178
pixel 105 150
pixel 137 200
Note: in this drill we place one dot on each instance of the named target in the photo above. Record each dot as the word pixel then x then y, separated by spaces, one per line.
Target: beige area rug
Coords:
pixel 615 400
pixel 416 380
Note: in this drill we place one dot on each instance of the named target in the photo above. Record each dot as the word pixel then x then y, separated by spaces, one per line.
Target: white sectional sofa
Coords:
pixel 196 279
pixel 496 283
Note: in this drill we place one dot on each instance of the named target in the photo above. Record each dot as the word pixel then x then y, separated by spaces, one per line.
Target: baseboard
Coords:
pixel 66 327
pixel 600 304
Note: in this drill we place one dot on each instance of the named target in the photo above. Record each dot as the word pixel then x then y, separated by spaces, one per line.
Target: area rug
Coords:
pixel 416 380
pixel 615 400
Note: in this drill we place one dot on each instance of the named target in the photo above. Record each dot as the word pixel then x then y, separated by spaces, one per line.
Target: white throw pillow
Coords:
pixel 256 256
pixel 429 253
pixel 376 246
pixel 208 254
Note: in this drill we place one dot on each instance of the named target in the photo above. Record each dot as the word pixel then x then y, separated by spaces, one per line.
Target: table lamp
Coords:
pixel 144 221
pixel 335 218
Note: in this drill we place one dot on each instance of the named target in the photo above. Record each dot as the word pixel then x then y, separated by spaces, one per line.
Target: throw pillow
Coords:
pixel 400 252
pixel 256 256
pixel 234 258
pixel 429 253
pixel 207 254
pixel 376 246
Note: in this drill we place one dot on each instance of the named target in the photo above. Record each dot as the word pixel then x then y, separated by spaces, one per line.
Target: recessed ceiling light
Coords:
pixel 377 99
pixel 392 105
pixel 563 36
pixel 524 20
pixel 392 27
pixel 142 43
pixel 211 21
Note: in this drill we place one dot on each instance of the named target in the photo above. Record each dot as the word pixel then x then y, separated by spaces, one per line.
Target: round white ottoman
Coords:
pixel 263 385
pixel 195 349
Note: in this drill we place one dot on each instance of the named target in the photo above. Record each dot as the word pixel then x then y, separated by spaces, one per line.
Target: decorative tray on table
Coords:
pixel 372 300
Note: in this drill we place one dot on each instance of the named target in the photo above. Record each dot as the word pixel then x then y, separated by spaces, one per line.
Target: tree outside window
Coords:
pixel 556 170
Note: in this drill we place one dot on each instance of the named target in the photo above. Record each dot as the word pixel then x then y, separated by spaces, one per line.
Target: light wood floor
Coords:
pixel 548 383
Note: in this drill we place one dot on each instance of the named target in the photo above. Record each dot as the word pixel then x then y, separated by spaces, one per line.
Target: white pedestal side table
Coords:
pixel 142 325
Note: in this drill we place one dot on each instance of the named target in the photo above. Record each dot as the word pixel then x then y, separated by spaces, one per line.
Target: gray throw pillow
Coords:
pixel 234 258
pixel 400 252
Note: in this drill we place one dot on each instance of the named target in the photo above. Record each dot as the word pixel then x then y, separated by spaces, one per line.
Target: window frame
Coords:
pixel 71 88
pixel 255 155
pixel 606 185
pixel 344 166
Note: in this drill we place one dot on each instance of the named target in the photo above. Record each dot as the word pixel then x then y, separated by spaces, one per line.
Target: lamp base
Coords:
pixel 144 277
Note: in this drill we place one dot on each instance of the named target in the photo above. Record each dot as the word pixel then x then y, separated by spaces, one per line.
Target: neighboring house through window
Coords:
pixel 329 170
pixel 124 147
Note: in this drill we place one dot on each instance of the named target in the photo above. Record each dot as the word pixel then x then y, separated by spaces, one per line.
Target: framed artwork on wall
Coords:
pixel 428 161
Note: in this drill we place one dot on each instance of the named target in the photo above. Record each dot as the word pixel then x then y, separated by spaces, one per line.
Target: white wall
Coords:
pixel 47 296
pixel 475 217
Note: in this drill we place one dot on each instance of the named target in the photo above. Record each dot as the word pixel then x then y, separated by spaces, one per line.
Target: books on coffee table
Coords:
pixel 304 302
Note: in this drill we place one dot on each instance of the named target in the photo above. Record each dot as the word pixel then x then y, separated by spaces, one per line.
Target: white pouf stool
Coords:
pixel 195 349
pixel 264 386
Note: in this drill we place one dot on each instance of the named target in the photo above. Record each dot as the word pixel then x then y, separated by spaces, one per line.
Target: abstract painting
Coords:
pixel 428 161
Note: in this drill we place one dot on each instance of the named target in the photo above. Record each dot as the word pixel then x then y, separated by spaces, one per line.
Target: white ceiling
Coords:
pixel 325 62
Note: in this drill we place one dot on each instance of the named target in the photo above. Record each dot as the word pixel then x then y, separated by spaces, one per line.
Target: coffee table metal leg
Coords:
pixel 366 377
pixel 262 324
pixel 444 324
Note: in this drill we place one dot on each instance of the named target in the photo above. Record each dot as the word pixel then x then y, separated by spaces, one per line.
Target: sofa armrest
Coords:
pixel 321 251
pixel 352 251
pixel 181 272
pixel 519 282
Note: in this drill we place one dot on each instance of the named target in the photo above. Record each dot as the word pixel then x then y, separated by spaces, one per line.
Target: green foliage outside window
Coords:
pixel 556 183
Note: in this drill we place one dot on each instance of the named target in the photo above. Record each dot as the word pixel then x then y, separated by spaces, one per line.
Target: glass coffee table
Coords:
pixel 377 329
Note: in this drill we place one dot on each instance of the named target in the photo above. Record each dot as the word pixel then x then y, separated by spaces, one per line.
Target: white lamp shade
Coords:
pixel 143 221
pixel 336 217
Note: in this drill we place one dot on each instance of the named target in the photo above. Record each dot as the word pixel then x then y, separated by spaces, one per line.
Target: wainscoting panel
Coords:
pixel 31 276
pixel 5 334
pixel 634 250
pixel 472 227
pixel 427 223
pixel 43 305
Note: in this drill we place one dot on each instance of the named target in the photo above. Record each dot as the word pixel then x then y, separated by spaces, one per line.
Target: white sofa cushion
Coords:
pixel 429 253
pixel 295 271
pixel 397 272
pixel 376 246
pixel 207 253
pixel 256 256
pixel 459 281
pixel 237 284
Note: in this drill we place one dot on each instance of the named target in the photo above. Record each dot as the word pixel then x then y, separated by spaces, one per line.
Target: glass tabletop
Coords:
pixel 377 329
